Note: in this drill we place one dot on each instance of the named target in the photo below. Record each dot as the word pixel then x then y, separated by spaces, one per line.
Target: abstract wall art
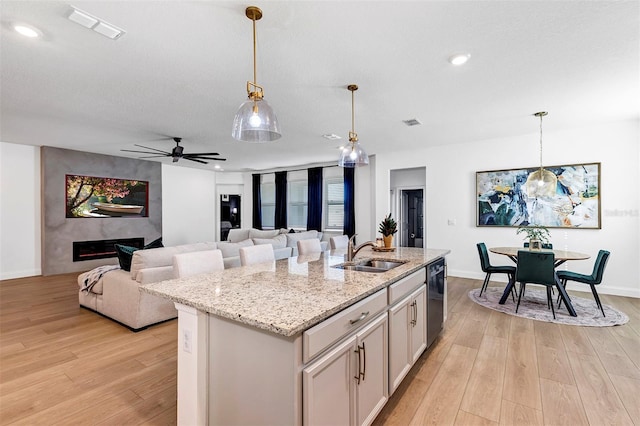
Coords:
pixel 502 200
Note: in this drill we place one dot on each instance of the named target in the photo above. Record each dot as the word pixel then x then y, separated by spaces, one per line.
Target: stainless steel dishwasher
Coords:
pixel 436 277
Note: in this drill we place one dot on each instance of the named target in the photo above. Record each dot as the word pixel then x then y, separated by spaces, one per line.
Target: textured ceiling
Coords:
pixel 182 66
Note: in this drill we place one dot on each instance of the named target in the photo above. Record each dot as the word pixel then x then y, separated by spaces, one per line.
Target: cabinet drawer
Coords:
pixel 318 338
pixel 403 287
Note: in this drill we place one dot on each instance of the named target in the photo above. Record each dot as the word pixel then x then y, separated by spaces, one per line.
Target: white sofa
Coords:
pixel 115 293
pixel 269 236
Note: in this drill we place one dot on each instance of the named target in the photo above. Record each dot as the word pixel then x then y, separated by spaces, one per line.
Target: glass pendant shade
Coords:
pixel 255 122
pixel 541 184
pixel 353 155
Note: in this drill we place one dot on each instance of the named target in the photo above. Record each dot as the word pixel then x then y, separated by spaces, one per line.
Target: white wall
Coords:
pixel 189 200
pixel 19 211
pixel 188 208
pixel 450 194
pixel 189 205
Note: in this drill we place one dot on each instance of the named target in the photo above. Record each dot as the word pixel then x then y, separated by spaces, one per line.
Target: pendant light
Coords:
pixel 353 155
pixel 255 121
pixel 542 182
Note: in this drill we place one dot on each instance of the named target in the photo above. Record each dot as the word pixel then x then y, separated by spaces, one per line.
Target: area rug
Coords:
pixel 533 305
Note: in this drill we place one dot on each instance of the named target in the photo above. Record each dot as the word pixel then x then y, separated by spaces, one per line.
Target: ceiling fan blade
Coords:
pixel 202 153
pixel 153 149
pixel 141 152
pixel 153 156
pixel 197 161
pixel 205 158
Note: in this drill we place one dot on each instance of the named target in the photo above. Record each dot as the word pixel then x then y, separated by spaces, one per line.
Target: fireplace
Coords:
pixel 101 249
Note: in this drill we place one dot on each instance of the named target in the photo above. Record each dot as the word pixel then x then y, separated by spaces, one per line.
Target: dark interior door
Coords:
pixel 229 214
pixel 413 208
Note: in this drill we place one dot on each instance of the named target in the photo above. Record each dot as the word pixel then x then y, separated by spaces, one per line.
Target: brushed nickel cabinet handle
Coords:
pixel 364 363
pixel 357 377
pixel 360 318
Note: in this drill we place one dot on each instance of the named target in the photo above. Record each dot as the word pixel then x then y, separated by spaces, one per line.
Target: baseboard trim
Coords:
pixel 602 289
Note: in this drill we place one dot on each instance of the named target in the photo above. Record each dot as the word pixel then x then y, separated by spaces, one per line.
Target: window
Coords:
pixel 297 204
pixel 268 204
pixel 334 207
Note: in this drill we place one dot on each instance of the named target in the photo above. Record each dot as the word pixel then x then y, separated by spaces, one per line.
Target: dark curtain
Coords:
pixel 281 200
pixel 349 202
pixel 314 199
pixel 257 203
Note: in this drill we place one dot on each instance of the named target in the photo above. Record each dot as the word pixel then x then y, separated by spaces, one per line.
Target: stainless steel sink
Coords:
pixel 373 266
pixel 382 264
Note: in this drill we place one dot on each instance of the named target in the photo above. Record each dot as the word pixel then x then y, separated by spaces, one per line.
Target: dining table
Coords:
pixel 560 256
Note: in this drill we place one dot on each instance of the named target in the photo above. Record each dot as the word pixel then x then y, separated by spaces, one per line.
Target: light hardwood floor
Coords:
pixel 62 365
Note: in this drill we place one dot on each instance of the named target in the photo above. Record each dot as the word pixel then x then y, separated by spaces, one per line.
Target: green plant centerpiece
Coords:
pixel 537 235
pixel 387 228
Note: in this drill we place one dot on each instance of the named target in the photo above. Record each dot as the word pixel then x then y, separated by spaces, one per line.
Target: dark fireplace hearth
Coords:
pixel 102 249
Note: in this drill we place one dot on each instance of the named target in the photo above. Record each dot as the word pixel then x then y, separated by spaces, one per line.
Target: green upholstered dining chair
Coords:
pixel 546 246
pixel 536 268
pixel 594 279
pixel 489 269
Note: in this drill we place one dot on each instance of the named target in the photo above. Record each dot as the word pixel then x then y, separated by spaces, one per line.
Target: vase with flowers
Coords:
pixel 388 227
pixel 537 235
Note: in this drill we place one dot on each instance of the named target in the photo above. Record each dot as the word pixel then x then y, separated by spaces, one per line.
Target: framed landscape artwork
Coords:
pixel 91 196
pixel 502 199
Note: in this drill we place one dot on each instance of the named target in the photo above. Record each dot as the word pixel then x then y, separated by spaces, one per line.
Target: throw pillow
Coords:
pixel 125 253
pixel 292 239
pixel 277 242
pixel 258 233
pixel 232 249
pixel 154 244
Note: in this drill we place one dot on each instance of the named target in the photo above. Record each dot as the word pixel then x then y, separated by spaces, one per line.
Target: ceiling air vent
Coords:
pixel 412 122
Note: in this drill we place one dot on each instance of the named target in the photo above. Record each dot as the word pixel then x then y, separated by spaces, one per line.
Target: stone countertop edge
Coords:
pixel 288 296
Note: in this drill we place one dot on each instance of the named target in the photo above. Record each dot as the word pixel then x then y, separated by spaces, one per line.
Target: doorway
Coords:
pixel 229 214
pixel 412 218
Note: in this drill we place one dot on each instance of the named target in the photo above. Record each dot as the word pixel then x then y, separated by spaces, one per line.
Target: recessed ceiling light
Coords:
pixel 459 58
pixel 331 136
pixel 217 166
pixel 27 30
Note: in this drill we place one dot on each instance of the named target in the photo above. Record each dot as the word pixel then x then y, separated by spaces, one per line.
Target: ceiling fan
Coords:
pixel 177 153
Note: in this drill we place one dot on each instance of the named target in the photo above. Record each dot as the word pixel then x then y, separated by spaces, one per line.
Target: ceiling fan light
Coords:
pixel 256 122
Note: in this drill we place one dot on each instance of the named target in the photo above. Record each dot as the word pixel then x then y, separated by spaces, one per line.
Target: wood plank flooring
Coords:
pixel 63 365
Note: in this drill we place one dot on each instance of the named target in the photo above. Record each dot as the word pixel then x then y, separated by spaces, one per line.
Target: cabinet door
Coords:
pixel 372 389
pixel 399 343
pixel 418 327
pixel 328 387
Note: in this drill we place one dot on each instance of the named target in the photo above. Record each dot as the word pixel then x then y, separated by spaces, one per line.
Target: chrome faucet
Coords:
pixel 351 251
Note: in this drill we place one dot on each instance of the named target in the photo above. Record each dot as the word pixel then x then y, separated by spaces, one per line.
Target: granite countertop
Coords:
pixel 290 295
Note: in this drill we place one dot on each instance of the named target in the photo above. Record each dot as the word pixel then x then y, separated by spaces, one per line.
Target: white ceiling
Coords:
pixel 182 66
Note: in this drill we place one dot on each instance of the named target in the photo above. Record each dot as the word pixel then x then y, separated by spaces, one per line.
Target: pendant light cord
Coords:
pixel 541 141
pixel 255 79
pixel 353 114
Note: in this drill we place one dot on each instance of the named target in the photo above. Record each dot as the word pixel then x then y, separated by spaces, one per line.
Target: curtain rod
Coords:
pixel 294 170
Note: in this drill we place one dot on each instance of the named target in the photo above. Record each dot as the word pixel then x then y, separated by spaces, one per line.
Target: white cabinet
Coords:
pixel 348 384
pixel 407 335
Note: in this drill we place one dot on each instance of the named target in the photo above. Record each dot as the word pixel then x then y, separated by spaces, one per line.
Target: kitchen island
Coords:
pixel 250 339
